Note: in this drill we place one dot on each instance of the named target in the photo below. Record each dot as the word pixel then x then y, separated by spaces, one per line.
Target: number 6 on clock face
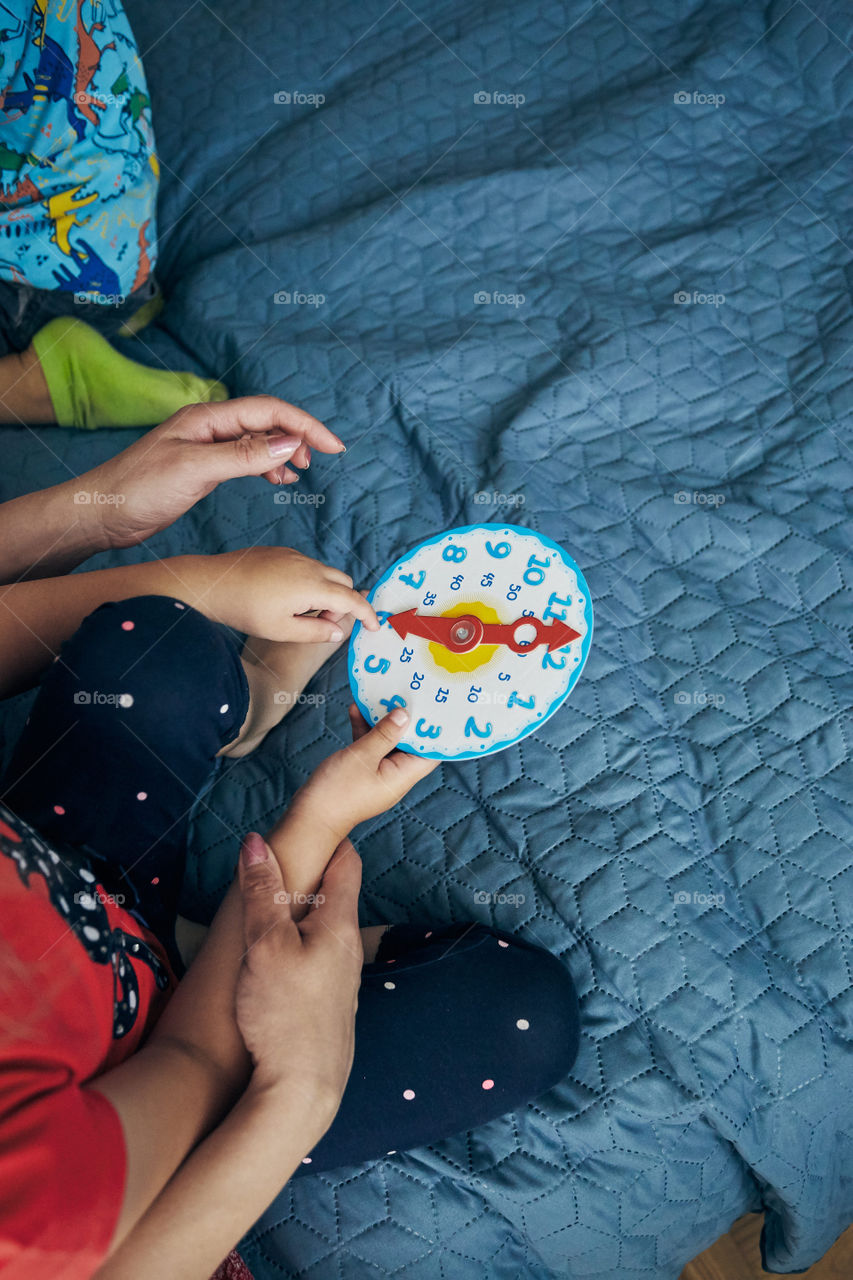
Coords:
pixel 484 633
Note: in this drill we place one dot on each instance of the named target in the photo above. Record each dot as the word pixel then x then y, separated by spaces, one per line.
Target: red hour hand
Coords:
pixel 466 631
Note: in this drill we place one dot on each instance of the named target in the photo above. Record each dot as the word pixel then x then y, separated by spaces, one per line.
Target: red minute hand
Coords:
pixel 466 631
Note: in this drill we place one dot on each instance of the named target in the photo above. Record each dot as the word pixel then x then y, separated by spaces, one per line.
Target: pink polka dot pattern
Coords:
pixel 390 986
pixel 223 708
pixel 408 1094
pixel 428 934
pixel 501 943
pixel 58 808
pixel 522 1024
pixel 306 1160
pixel 488 1084
pixel 142 795
pixel 178 605
pixel 128 625
pixel 156 880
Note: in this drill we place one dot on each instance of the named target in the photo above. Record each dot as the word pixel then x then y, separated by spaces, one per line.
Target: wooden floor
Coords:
pixel 736 1257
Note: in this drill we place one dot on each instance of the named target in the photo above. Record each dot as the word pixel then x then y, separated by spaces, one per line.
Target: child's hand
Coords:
pixel 268 591
pixel 364 779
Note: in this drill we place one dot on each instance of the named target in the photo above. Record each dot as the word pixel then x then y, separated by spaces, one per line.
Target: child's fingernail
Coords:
pixel 399 716
pixel 254 849
pixel 337 634
pixel 281 445
pixel 342 449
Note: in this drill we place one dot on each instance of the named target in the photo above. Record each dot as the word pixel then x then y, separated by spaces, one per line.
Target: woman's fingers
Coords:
pixel 255 415
pixel 265 902
pixel 212 463
pixel 336 911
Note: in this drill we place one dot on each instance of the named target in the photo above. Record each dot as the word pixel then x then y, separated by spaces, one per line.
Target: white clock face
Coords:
pixel 484 632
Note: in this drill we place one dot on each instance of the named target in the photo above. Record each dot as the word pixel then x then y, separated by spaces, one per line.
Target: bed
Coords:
pixel 586 266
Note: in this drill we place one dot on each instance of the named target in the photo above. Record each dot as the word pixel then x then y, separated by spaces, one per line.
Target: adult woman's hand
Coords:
pixel 147 486
pixel 297 990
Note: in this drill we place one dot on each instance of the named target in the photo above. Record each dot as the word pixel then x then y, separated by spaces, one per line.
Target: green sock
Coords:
pixel 93 385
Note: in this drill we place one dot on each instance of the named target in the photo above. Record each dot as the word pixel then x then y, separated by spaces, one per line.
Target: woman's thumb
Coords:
pixel 246 455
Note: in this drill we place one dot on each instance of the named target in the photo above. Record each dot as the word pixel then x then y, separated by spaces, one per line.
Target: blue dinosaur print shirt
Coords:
pixel 78 169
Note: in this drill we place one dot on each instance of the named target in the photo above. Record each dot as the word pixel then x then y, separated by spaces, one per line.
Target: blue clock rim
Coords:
pixel 555 705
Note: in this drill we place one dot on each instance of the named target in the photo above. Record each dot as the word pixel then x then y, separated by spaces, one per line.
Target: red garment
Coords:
pixel 232 1268
pixel 81 984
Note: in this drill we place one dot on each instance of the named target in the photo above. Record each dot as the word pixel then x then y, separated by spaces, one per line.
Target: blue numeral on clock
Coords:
pixel 499 550
pixel 550 660
pixel 383 615
pixel 454 554
pixel 374 664
pixel 424 730
pixel 472 728
pixel 527 703
pixel 412 581
pixel 390 703
pixel 441 695
pixel 534 574
pixel 407 654
pixel 552 612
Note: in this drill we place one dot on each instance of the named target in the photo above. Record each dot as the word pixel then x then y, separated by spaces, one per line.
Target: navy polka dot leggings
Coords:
pixel 455 1024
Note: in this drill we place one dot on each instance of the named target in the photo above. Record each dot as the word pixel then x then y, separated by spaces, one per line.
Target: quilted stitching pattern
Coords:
pixel 680 831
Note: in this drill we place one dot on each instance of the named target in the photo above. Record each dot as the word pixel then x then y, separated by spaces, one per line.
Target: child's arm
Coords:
pixel 348 788
pixel 195 1064
pixel 261 590
pixel 295 999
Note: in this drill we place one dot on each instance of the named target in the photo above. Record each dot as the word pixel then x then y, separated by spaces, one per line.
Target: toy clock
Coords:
pixel 484 633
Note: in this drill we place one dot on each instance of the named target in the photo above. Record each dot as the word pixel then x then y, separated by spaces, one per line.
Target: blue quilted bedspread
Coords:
pixel 589 261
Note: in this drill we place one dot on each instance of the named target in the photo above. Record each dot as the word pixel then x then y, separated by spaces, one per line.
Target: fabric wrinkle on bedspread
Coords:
pixel 680 831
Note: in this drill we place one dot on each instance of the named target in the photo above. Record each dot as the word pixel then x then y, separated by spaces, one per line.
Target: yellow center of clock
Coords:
pixel 474 658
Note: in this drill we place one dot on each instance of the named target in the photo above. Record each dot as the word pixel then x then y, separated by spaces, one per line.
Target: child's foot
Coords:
pixel 93 385
pixel 278 672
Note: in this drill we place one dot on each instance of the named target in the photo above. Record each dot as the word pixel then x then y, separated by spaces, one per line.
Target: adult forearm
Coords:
pixel 198 1025
pixel 49 532
pixel 201 1012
